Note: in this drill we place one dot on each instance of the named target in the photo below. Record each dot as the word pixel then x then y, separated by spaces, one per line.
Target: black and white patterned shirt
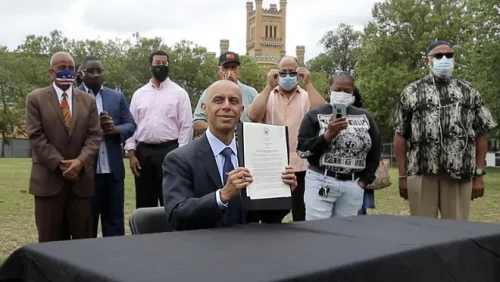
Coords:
pixel 355 150
pixel 441 119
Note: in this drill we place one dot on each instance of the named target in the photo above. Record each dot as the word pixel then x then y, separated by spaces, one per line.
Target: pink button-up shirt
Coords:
pixel 161 114
pixel 289 110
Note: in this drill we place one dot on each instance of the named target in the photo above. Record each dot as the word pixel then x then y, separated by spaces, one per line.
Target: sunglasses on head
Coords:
pixel 291 74
pixel 439 56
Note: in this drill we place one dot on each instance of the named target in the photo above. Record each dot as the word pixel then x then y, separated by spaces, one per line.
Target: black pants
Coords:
pixel 298 206
pixel 108 203
pixel 276 216
pixel 148 186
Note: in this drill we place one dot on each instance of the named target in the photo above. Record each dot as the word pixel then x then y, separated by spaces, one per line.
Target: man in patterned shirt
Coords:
pixel 441 125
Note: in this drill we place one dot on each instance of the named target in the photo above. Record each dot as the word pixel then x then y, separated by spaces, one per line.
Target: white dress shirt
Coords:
pixel 217 148
pixel 103 165
pixel 69 98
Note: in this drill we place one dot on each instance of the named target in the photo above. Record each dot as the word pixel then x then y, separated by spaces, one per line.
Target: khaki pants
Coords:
pixel 429 193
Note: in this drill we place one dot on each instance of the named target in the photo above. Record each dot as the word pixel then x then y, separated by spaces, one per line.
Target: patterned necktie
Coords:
pixel 234 207
pixel 65 111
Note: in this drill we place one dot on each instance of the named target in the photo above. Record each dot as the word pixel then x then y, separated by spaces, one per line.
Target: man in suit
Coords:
pixel 63 129
pixel 117 125
pixel 202 180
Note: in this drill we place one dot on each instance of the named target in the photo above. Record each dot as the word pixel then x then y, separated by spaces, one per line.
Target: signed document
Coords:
pixel 266 156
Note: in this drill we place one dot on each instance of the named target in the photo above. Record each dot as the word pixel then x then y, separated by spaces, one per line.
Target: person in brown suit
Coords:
pixel 64 131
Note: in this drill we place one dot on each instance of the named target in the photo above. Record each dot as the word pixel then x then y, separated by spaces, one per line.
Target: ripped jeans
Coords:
pixel 345 198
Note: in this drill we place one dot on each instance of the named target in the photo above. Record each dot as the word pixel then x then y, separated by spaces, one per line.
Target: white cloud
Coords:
pixel 201 21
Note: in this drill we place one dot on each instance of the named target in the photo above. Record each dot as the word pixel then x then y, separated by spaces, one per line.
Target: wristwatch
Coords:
pixel 480 172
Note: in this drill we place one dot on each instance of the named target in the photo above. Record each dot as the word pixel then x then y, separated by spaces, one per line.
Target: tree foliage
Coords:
pixel 394 43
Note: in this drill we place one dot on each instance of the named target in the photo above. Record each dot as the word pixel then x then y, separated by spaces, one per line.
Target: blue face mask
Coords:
pixel 66 77
pixel 288 82
pixel 443 68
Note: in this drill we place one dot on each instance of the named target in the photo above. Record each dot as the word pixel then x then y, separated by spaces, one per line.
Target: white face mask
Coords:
pixel 341 98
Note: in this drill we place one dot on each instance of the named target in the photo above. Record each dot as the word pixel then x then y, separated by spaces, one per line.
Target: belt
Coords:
pixel 336 175
pixel 158 145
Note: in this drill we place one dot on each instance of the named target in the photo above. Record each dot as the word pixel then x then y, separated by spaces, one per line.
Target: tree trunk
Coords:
pixel 2 146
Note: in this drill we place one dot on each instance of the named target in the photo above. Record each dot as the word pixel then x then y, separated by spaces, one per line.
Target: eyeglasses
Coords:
pixel 439 56
pixel 160 63
pixel 291 74
pixel 93 71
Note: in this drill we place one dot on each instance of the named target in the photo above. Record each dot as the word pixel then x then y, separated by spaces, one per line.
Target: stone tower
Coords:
pixel 266 29
pixel 224 45
pixel 300 51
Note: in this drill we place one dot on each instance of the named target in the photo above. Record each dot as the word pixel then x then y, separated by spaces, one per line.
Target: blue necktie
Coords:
pixel 234 208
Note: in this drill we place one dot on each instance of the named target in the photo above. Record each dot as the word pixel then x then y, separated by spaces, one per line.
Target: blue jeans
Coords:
pixel 345 198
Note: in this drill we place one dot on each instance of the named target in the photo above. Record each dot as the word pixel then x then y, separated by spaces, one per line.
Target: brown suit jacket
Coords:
pixel 52 143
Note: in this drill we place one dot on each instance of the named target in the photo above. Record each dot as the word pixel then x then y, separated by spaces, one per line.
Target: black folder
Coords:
pixel 260 204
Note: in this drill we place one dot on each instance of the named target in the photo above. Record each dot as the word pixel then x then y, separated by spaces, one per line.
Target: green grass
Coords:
pixel 17 222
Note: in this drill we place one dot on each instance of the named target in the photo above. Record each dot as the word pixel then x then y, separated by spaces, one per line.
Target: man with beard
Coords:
pixel 117 126
pixel 229 68
pixel 62 125
pixel 441 129
pixel 162 112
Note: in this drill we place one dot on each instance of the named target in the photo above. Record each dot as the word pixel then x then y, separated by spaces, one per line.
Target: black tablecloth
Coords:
pixel 361 248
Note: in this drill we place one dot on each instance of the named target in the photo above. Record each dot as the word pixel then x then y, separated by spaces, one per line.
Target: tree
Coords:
pixel 341 47
pixel 393 46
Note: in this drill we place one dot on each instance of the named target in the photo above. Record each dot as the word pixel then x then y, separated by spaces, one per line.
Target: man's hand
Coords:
pixel 107 124
pixel 135 166
pixel 362 184
pixel 304 75
pixel 237 179
pixel 403 188
pixel 289 177
pixel 477 187
pixel 335 126
pixel 73 168
pixel 272 78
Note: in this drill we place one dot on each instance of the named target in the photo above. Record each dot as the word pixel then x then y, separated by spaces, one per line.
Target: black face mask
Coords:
pixel 160 72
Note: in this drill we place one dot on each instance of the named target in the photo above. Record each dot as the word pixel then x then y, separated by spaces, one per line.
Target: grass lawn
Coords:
pixel 17 222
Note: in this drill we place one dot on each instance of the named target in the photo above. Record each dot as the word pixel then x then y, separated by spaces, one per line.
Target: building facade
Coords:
pixel 266 34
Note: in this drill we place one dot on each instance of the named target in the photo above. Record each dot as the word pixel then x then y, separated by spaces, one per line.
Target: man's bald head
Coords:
pixel 288 62
pixel 60 62
pixel 60 56
pixel 223 106
pixel 223 86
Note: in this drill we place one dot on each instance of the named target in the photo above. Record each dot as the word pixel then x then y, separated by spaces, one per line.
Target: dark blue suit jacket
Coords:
pixel 115 104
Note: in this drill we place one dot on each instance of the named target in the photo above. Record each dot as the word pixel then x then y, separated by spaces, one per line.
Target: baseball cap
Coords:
pixel 227 57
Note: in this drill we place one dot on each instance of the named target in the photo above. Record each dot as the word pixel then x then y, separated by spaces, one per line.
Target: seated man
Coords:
pixel 201 187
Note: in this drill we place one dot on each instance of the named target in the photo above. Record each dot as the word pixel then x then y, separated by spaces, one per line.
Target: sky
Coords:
pixel 204 22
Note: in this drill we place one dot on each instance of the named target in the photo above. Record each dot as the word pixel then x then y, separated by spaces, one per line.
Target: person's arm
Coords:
pixel 401 124
pixel 373 156
pixel 200 123
pixel 482 124
pixel 315 99
pixel 47 154
pixel 184 210
pixel 130 143
pixel 308 141
pixel 257 109
pixel 126 128
pixel 94 135
pixel 185 118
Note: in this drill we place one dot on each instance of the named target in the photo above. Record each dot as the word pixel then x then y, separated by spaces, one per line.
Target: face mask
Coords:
pixel 288 82
pixel 341 98
pixel 443 68
pixel 160 72
pixel 65 77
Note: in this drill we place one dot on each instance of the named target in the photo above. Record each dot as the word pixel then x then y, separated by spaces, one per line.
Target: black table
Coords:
pixel 361 248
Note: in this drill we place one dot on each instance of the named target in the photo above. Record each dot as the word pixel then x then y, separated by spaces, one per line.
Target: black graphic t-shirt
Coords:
pixel 355 150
